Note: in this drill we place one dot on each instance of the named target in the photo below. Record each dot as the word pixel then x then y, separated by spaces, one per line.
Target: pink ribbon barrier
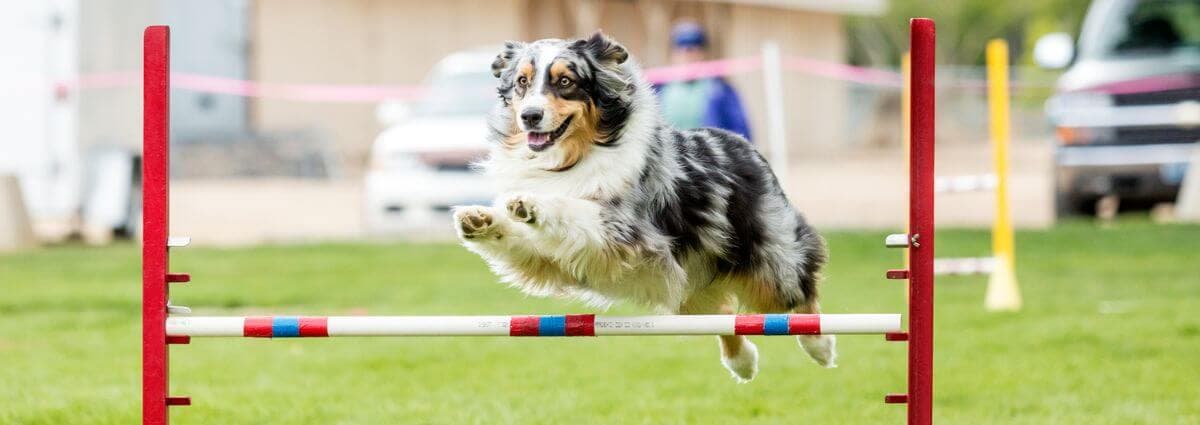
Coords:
pixel 248 88
pixel 699 70
pixel 353 93
pixel 843 72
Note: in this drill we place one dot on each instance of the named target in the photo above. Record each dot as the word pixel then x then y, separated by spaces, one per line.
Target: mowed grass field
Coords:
pixel 1110 335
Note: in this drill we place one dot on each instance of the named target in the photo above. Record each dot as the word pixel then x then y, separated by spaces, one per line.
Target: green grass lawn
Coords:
pixel 1110 334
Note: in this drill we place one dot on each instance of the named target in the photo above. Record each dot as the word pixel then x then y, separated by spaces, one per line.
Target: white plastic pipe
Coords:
pixel 574 325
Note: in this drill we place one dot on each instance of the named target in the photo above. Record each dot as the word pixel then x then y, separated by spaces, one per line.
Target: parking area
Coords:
pixel 868 194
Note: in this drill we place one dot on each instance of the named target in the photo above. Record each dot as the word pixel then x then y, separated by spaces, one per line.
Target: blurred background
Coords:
pixel 318 146
pixel 303 120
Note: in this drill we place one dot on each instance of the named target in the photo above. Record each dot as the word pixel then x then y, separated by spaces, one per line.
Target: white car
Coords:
pixel 420 165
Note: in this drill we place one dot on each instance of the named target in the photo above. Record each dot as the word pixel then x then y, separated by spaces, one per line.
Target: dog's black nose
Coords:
pixel 531 117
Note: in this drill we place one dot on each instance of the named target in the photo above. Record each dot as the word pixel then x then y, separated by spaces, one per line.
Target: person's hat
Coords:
pixel 688 34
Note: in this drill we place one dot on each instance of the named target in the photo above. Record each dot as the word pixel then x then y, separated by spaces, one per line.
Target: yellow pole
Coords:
pixel 1002 291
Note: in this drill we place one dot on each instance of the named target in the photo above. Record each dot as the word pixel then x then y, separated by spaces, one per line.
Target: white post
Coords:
pixel 1188 206
pixel 16 230
pixel 776 128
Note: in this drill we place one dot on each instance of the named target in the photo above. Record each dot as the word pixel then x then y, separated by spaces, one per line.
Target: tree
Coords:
pixel 964 27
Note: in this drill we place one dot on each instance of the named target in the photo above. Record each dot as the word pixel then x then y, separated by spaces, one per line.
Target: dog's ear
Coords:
pixel 604 49
pixel 506 56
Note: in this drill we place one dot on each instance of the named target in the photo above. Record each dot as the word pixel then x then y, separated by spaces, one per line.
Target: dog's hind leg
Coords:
pixel 822 348
pixel 738 354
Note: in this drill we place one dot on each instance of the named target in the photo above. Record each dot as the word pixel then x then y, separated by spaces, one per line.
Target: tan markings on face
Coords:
pixel 515 140
pixel 525 70
pixel 517 137
pixel 577 138
pixel 558 70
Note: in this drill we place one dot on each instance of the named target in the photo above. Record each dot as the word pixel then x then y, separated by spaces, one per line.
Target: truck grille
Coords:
pixel 1153 135
pixel 1157 97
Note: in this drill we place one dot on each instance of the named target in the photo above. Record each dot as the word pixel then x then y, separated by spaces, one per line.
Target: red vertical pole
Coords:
pixel 156 82
pixel 920 219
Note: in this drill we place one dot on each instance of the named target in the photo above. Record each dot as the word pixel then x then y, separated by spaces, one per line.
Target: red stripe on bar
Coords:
pixel 748 324
pixel 581 325
pixel 257 327
pixel 804 324
pixel 314 326
pixel 523 326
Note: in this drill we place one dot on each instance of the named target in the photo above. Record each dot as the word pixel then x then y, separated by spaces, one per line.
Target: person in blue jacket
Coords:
pixel 706 102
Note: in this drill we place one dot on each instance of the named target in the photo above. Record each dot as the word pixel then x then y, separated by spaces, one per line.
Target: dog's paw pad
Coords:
pixel 475 222
pixel 521 210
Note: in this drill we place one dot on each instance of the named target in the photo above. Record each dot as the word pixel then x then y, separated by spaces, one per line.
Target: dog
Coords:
pixel 602 201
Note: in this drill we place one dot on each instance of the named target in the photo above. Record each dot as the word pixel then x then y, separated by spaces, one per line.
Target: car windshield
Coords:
pixel 464 93
pixel 1144 27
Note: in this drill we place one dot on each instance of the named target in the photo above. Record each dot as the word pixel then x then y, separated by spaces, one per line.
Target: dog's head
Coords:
pixel 560 97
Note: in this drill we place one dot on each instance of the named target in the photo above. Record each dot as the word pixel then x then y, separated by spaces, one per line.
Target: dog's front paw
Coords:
pixel 476 222
pixel 521 209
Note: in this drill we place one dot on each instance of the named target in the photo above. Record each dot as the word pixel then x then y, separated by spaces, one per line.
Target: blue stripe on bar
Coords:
pixel 552 326
pixel 283 327
pixel 775 324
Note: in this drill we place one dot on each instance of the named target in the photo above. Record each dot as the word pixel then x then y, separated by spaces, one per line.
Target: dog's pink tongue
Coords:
pixel 538 139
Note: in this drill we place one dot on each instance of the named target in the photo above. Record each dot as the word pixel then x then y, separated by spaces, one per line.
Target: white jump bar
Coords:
pixel 969 183
pixel 547 325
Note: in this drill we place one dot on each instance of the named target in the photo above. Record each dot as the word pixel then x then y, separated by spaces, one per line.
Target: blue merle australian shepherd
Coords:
pixel 601 200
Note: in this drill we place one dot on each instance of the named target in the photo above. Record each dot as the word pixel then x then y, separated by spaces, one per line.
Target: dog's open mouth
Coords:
pixel 541 141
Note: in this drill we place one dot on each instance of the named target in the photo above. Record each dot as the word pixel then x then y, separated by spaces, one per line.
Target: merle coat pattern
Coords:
pixel 602 201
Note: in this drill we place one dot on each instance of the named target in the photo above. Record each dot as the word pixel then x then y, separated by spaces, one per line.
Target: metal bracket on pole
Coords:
pixel 896 240
pixel 178 309
pixel 897 274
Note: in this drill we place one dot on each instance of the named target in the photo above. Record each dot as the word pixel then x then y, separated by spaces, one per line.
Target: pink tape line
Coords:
pixel 377 93
pixel 843 72
pixel 247 88
pixel 698 70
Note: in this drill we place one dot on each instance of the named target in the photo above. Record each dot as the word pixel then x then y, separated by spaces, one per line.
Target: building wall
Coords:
pixel 110 40
pixel 396 42
pixel 360 42
pixel 814 107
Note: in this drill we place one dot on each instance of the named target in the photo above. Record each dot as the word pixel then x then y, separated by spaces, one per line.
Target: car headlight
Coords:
pixel 1065 104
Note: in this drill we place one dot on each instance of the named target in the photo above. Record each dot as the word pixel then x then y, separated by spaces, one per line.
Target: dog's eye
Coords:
pixel 522 81
pixel 564 82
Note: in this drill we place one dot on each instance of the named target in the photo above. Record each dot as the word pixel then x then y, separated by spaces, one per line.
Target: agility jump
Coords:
pixel 1003 292
pixel 164 324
